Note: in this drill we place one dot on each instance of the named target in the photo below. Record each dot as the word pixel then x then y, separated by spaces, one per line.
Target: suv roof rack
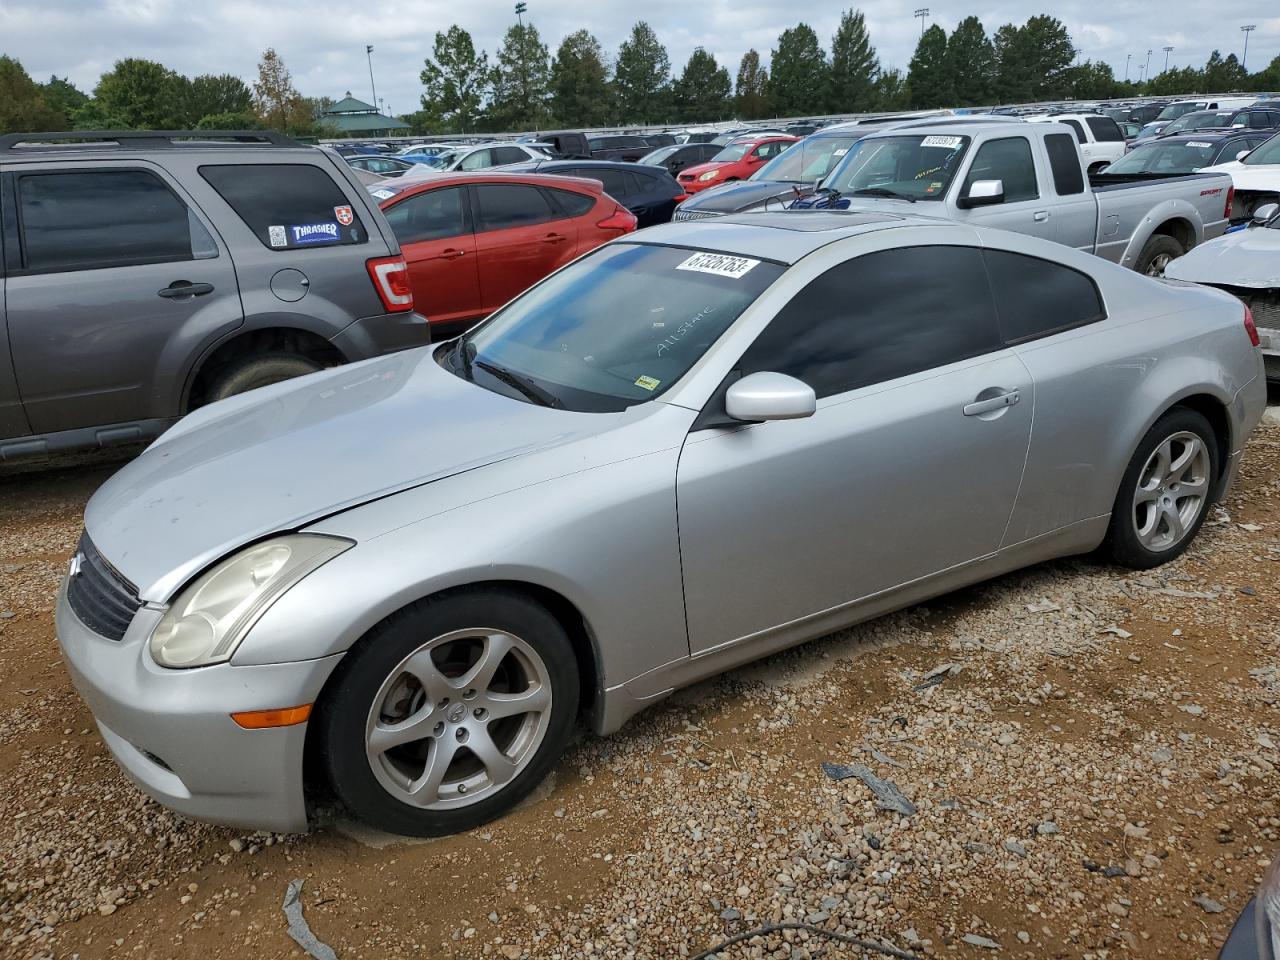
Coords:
pixel 152 138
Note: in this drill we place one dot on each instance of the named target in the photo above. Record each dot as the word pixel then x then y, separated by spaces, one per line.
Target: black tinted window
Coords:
pixel 502 205
pixel 1105 129
pixel 1035 298
pixel 82 221
pixel 287 206
pixel 434 215
pixel 881 316
pixel 503 155
pixel 571 204
pixel 1064 162
pixel 1008 160
pixel 1080 134
pixel 616 183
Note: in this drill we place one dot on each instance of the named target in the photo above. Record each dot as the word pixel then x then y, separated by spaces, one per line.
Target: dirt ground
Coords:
pixel 1094 776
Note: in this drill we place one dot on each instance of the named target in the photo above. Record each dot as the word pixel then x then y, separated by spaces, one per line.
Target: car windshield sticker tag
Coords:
pixel 308 233
pixel 384 194
pixel 277 236
pixel 720 264
pixel 1198 143
pixel 344 215
pixel 647 382
pixel 841 152
pixel 948 142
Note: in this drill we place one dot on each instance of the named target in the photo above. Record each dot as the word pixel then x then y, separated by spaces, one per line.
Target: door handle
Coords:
pixel 181 289
pixel 979 407
pixel 451 253
pixel 1040 216
pixel 554 238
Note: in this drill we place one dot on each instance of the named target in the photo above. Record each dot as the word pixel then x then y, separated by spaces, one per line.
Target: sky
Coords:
pixel 323 41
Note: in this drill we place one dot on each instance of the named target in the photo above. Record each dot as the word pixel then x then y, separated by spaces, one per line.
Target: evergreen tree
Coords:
pixel 23 106
pixel 971 64
pixel 278 104
pixel 929 80
pixel 1048 50
pixel 854 66
pixel 1093 80
pixel 891 91
pixel 1224 75
pixel 1268 78
pixel 642 77
pixel 580 94
pixel 1013 73
pixel 751 93
pixel 702 92
pixel 455 83
pixel 800 75
pixel 521 81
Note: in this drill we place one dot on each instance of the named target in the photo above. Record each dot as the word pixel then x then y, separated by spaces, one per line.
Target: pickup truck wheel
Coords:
pixel 1156 255
pixel 260 370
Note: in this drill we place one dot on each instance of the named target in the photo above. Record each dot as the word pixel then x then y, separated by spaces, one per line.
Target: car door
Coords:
pixel 114 276
pixel 518 239
pixel 436 239
pixel 13 422
pixel 910 465
pixel 1075 211
pixel 1010 160
pixel 477 160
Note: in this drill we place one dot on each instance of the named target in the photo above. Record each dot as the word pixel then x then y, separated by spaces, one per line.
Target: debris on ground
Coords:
pixel 888 796
pixel 299 931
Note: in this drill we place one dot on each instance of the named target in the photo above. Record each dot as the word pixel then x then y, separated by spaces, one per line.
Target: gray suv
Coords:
pixel 144 274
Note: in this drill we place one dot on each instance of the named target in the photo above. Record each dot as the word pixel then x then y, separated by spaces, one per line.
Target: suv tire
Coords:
pixel 260 370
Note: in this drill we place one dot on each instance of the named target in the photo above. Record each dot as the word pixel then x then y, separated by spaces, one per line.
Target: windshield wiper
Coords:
pixel 521 383
pixel 461 355
pixel 883 192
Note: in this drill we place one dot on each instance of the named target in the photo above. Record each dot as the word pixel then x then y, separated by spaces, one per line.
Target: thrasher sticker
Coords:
pixel 344 215
pixel 277 236
pixel 935 141
pixel 308 233
pixel 719 264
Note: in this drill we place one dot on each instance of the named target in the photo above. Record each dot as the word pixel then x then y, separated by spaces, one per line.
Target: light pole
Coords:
pixel 1146 68
pixel 1247 29
pixel 1167 51
pixel 1127 58
pixel 368 52
pixel 521 7
pixel 923 14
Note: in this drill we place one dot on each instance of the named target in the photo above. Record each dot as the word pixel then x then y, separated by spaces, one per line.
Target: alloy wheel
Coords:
pixel 1173 489
pixel 1158 263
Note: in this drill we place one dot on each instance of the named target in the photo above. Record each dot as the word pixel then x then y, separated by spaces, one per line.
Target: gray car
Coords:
pixel 412 577
pixel 144 274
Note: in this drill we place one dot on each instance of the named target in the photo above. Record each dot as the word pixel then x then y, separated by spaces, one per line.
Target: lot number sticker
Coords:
pixel 935 141
pixel 1198 143
pixel 647 383
pixel 719 264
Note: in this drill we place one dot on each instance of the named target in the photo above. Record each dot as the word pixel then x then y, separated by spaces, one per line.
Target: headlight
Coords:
pixel 1267 915
pixel 709 175
pixel 207 621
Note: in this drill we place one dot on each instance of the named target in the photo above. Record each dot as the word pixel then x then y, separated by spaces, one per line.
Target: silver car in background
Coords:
pixel 413 576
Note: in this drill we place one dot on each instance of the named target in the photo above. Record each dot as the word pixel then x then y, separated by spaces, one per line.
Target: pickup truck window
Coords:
pixel 921 166
pixel 1009 160
pixel 1080 134
pixel 1037 298
pixel 1064 164
pixel 1105 130
pixel 881 316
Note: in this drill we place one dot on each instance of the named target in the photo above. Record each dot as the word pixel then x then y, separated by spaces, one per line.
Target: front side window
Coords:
pixel 504 205
pixel 104 218
pixel 288 206
pixel 879 317
pixel 615 329
pixel 1036 298
pixel 433 215
pixel 1009 161
pixel 920 167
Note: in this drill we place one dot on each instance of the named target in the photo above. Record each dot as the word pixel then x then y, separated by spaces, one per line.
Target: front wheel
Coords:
pixel 1158 253
pixel 449 713
pixel 1165 493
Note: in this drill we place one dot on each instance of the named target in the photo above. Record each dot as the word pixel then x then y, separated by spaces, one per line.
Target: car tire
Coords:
pixel 1164 499
pixel 406 766
pixel 1156 254
pixel 260 370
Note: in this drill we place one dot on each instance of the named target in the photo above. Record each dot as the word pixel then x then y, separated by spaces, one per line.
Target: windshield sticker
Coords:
pixel 1198 143
pixel 949 142
pixel 384 194
pixel 719 264
pixel 841 152
pixel 647 383
pixel 308 233
pixel 277 236
pixel 344 215
pixel 933 187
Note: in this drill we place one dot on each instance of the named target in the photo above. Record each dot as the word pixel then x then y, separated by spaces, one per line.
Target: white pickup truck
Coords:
pixel 1029 178
pixel 1101 139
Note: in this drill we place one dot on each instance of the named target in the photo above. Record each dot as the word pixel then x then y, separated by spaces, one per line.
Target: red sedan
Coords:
pixel 737 161
pixel 473 241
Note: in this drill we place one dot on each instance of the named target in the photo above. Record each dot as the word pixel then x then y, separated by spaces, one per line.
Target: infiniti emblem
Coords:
pixel 457 712
pixel 73 569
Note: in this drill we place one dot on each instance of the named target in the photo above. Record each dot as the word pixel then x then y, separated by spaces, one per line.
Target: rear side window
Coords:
pixel 1008 160
pixel 1064 162
pixel 504 205
pixel 106 218
pixel 503 155
pixel 571 204
pixel 616 183
pixel 1036 298
pixel 477 160
pixel 288 206
pixel 1105 130
pixel 871 319
pixel 1080 134
pixel 434 215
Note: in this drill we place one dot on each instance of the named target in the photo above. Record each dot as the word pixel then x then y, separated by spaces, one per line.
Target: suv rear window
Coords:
pixel 1105 130
pixel 287 205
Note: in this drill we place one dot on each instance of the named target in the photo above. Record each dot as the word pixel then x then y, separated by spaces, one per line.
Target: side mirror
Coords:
pixel 1242 154
pixel 982 193
pixel 1266 212
pixel 770 396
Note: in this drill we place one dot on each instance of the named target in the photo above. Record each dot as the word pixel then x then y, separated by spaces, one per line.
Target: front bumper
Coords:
pixel 171 731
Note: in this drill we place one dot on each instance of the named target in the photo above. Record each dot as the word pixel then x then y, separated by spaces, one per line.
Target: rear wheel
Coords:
pixel 1157 254
pixel 259 370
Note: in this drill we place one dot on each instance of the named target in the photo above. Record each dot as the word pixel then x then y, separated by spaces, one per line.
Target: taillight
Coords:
pixel 1250 328
pixel 1231 196
pixel 390 277
pixel 682 197
pixel 622 220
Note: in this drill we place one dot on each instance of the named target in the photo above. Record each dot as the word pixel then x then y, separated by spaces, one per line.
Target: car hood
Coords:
pixel 700 168
pixel 1257 176
pixel 744 195
pixel 1247 258
pixel 284 456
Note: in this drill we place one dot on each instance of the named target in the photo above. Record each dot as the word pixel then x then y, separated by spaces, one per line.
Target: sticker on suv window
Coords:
pixel 1198 143
pixel 308 233
pixel 720 264
pixel 344 215
pixel 935 141
pixel 277 236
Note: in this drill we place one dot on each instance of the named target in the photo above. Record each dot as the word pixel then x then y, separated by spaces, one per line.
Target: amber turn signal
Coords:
pixel 264 719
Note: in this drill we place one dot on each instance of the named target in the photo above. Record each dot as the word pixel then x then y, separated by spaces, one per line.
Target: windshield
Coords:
pixel 1160 157
pixel 442 161
pixel 1174 110
pixel 1152 128
pixel 657 156
pixel 735 151
pixel 1201 120
pixel 808 161
pixel 920 167
pixel 615 329
pixel 1269 152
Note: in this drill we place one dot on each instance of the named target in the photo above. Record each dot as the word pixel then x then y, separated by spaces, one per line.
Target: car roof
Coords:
pixel 455 177
pixel 577 164
pixel 784 237
pixel 1210 134
pixel 946 125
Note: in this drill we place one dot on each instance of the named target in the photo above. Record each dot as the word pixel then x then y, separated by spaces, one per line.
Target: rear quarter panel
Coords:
pixel 1145 209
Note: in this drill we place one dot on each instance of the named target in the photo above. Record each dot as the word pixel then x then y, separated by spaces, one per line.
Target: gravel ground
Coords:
pixel 1091 757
